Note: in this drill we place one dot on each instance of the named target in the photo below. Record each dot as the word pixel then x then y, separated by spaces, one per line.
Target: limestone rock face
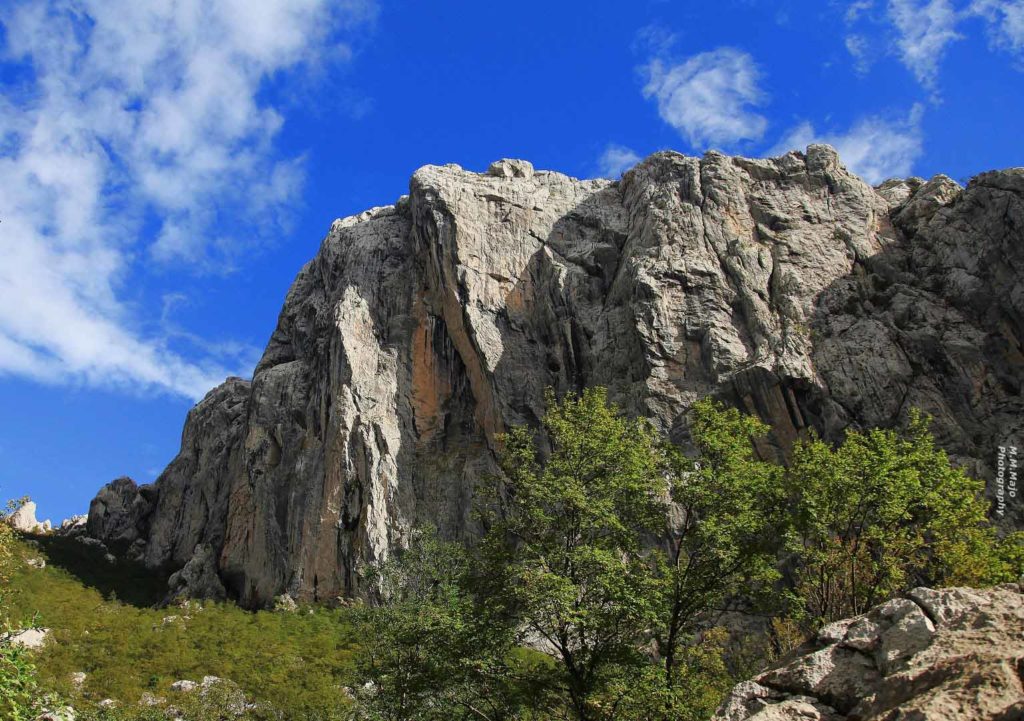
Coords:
pixel 198 578
pixel 953 654
pixel 422 330
pixel 24 519
pixel 119 512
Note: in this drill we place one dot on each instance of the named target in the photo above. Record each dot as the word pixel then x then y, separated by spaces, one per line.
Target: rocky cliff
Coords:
pixel 422 330
pixel 955 654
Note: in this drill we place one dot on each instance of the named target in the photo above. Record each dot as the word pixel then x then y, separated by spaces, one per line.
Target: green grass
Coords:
pixel 105 623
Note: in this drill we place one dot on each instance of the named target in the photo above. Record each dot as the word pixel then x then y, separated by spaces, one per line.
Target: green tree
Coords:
pixel 722 538
pixel 614 554
pixel 568 549
pixel 882 513
pixel 431 651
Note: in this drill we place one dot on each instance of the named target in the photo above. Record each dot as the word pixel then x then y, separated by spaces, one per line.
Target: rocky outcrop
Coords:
pixel 74 526
pixel 198 578
pixel 954 654
pixel 23 519
pixel 120 512
pixel 167 522
pixel 422 330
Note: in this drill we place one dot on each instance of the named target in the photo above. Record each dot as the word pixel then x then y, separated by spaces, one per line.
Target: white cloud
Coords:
pixel 859 49
pixel 709 97
pixel 1006 22
pixel 925 29
pixel 135 112
pixel 654 39
pixel 615 160
pixel 858 8
pixel 874 148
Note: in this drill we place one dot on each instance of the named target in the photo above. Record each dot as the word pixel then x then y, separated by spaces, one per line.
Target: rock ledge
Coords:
pixel 954 654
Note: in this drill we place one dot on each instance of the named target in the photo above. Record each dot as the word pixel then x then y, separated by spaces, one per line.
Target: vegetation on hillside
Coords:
pixel 299 662
pixel 620 558
pixel 618 580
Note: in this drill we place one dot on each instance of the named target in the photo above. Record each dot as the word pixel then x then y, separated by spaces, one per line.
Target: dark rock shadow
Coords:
pixel 127 581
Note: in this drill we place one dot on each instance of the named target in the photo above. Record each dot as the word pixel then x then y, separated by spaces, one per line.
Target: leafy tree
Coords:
pixel 722 536
pixel 700 681
pixel 432 652
pixel 882 513
pixel 7 556
pixel 567 549
pixel 19 689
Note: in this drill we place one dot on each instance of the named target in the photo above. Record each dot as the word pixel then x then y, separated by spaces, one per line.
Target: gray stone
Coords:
pixel 30 638
pixel 962 667
pixel 61 713
pixel 508 168
pixel 198 578
pixel 949 604
pixel 421 331
pixel 118 511
pixel 285 603
pixel 74 525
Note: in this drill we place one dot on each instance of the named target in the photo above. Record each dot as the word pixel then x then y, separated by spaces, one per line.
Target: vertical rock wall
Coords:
pixel 422 330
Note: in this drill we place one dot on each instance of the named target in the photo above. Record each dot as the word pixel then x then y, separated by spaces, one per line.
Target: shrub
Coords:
pixel 884 512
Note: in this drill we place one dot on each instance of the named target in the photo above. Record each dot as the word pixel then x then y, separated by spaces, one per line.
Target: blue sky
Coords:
pixel 167 167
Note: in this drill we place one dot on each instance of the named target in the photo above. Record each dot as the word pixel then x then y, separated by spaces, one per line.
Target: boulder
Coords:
pixel 198 578
pixel 73 526
pixel 954 655
pixel 30 638
pixel 118 512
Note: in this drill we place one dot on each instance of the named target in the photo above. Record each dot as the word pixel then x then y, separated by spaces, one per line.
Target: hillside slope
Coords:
pixel 103 624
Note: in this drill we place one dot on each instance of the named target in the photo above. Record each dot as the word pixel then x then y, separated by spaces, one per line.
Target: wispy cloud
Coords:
pixel 858 8
pixel 1005 21
pixel 925 30
pixel 875 148
pixel 134 114
pixel 709 98
pixel 860 50
pixel 615 160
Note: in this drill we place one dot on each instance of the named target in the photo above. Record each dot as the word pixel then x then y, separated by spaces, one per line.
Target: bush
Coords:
pixel 882 513
pixel 18 687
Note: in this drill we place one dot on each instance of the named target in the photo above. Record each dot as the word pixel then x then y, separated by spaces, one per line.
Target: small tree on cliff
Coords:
pixel 432 651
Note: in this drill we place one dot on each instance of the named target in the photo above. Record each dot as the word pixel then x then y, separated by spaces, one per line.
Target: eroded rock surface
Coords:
pixel 422 330
pixel 24 519
pixel 953 654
